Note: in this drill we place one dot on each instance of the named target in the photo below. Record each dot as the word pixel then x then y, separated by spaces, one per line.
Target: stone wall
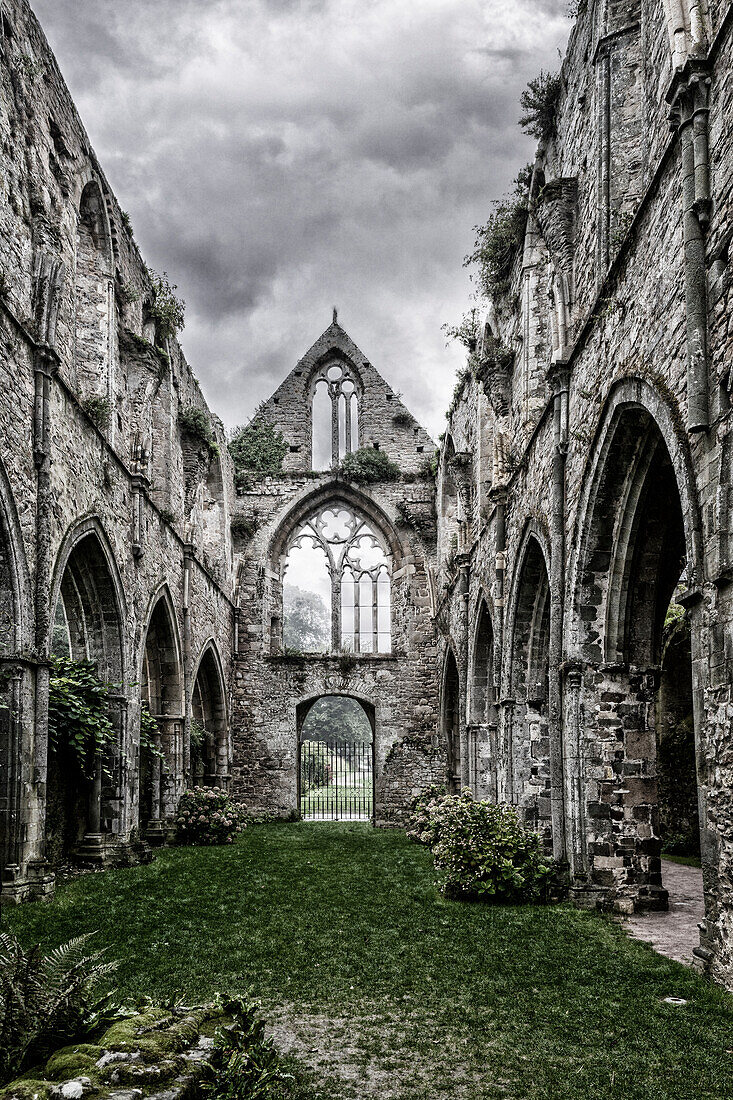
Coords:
pixel 96 479
pixel 617 332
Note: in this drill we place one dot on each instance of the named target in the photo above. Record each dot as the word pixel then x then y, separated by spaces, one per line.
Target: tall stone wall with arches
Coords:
pixel 595 541
pixel 115 540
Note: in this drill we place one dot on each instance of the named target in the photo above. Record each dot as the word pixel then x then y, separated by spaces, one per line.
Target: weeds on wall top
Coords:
pixel 368 466
pixel 166 309
pixel 195 423
pixel 497 241
pixel 257 451
pixel 539 102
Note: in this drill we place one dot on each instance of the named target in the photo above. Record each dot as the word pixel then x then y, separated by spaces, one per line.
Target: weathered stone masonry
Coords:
pixel 114 526
pixel 584 483
pixel 585 478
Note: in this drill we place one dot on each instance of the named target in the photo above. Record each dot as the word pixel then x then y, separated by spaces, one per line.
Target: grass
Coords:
pixel 686 861
pixel 386 989
pixel 343 798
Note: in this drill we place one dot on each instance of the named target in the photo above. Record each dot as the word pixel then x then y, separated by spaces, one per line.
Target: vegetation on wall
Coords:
pixel 369 466
pixel 97 409
pixel 539 102
pixel 78 711
pixel 166 308
pixel 258 450
pixel 243 527
pixel 497 241
pixel 195 423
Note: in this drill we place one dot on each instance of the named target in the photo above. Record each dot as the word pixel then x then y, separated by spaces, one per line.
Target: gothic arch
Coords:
pixel 160 764
pixel 631 398
pixel 450 712
pixel 482 662
pixel 84 810
pixel 93 294
pixel 335 490
pixel 86 543
pixel 638 553
pixel 210 748
pixel 527 714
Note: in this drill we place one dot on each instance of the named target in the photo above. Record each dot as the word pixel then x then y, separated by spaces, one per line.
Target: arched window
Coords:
pixel 209 736
pixel 94 295
pixel 335 414
pixel 336 585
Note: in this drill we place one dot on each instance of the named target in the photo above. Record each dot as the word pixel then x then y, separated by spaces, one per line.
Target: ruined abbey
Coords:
pixel 541 611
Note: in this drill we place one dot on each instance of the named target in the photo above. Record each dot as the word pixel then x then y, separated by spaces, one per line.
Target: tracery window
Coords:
pixel 336 585
pixel 335 413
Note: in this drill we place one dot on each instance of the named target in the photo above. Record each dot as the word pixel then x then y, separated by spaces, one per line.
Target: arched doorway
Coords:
pixel 631 625
pixel 530 666
pixel 209 730
pixel 83 802
pixel 483 728
pixel 160 769
pixel 452 722
pixel 336 759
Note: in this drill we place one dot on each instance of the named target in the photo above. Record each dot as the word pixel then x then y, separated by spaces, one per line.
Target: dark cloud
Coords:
pixel 280 156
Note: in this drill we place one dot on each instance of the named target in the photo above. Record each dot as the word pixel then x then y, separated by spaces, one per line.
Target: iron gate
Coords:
pixel 336 780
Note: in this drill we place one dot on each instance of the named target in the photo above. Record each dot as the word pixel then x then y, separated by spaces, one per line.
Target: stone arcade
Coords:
pixel 506 630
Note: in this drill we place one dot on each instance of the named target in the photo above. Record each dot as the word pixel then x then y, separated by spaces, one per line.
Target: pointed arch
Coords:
pixel 450 710
pixel 528 635
pixel 210 748
pixel 83 811
pixel 482 663
pixel 93 294
pixel 637 440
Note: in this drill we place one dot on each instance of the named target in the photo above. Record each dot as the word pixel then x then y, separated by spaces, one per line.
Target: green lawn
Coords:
pixel 346 799
pixel 389 991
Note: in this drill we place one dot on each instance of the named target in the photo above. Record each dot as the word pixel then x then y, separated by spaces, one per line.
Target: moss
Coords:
pixel 73 1061
pixel 26 1088
pixel 124 1033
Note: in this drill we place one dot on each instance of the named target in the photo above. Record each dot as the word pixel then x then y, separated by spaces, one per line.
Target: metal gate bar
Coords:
pixel 336 781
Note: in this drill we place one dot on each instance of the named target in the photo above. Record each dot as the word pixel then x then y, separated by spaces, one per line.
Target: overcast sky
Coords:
pixel 279 157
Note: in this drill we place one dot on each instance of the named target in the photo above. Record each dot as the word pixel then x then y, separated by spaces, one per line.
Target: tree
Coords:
pixel 337 718
pixel 307 623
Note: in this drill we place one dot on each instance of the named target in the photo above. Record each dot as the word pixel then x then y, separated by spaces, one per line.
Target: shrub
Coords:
pixel 166 309
pixel 368 466
pixel 481 850
pixel 496 243
pixel 257 451
pixel 78 711
pixel 207 815
pixel 47 1001
pixel 539 103
pixel 195 422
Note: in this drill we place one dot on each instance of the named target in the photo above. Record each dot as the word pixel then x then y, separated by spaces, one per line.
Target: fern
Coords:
pixel 48 1001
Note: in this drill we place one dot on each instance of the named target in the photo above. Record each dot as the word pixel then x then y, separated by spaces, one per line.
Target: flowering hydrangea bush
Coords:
pixel 481 850
pixel 207 815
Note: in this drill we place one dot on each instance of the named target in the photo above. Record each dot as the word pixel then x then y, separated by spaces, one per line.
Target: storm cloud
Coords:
pixel 278 157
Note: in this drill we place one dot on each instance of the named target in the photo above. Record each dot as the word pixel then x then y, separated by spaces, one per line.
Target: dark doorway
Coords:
pixel 336 760
pixel 452 723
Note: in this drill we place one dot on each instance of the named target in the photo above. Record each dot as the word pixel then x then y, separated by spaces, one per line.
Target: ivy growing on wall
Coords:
pixel 78 711
pixel 257 450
